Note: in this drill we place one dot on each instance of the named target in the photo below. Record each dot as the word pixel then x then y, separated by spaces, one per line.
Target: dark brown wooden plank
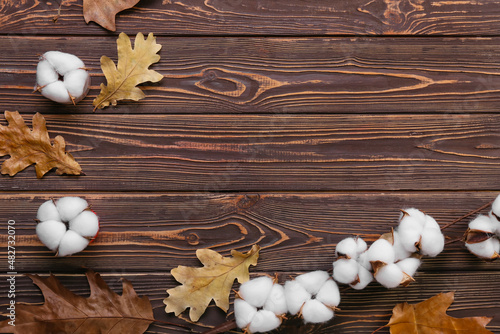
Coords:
pixel 148 232
pixel 250 17
pixel 273 153
pixel 279 75
pixel 361 311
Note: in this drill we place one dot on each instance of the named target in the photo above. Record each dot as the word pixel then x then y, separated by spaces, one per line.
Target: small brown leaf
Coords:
pixel 132 70
pixel 429 317
pixel 213 281
pixel 27 147
pixel 64 312
pixel 103 12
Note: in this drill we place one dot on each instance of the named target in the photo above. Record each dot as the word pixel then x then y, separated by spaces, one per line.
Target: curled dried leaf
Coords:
pixel 27 147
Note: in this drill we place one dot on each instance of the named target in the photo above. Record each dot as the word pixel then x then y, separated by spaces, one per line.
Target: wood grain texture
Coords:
pixel 251 17
pixel 151 232
pixel 212 153
pixel 361 311
pixel 277 75
pixel 288 124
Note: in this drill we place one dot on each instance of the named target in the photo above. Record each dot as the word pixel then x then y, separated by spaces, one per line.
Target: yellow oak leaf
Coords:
pixel 103 12
pixel 212 281
pixel 429 317
pixel 132 70
pixel 27 147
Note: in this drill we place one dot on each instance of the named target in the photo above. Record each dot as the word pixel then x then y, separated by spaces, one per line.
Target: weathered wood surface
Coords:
pixel 250 17
pixel 274 152
pixel 361 311
pixel 157 232
pixel 164 230
pixel 291 124
pixel 278 75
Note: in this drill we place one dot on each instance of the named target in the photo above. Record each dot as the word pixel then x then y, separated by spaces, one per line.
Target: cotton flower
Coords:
pixel 409 265
pixel 66 226
pixel 55 65
pixel 381 251
pixel 314 295
pixel 260 306
pixel 345 270
pixel 364 278
pixel 480 238
pixel 389 275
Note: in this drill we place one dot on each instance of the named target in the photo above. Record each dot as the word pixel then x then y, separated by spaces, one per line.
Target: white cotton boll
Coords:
pixel 313 280
pixel 45 73
pixel 361 245
pixel 365 277
pixel 487 249
pixel 431 242
pixel 86 224
pixel 57 92
pixel 495 222
pixel 63 62
pixel 381 250
pixel 494 218
pixel 243 312
pixel 71 243
pixel 482 223
pixel 345 270
pixel 256 291
pixel 431 223
pixel 410 237
pixel 264 321
pixel 48 211
pixel 53 65
pixel 70 207
pixel 77 83
pixel 329 294
pixel 416 214
pixel 389 276
pixel 347 247
pixel 400 251
pixel 50 233
pixel 276 302
pixel 316 312
pixel 495 206
pixel 409 265
pixel 295 296
pixel 363 261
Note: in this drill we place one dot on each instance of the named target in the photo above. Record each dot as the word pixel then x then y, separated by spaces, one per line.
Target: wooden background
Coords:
pixel 290 124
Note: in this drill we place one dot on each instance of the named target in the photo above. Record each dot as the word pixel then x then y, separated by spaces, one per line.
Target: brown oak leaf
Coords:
pixel 132 70
pixel 64 312
pixel 212 281
pixel 429 317
pixel 27 147
pixel 103 12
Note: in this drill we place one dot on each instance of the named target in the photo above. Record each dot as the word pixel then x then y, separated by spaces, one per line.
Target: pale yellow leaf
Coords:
pixel 212 281
pixel 132 70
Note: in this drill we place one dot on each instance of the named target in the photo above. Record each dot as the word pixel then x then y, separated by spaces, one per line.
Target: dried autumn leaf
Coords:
pixel 27 147
pixel 64 312
pixel 429 317
pixel 213 281
pixel 132 70
pixel 103 12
